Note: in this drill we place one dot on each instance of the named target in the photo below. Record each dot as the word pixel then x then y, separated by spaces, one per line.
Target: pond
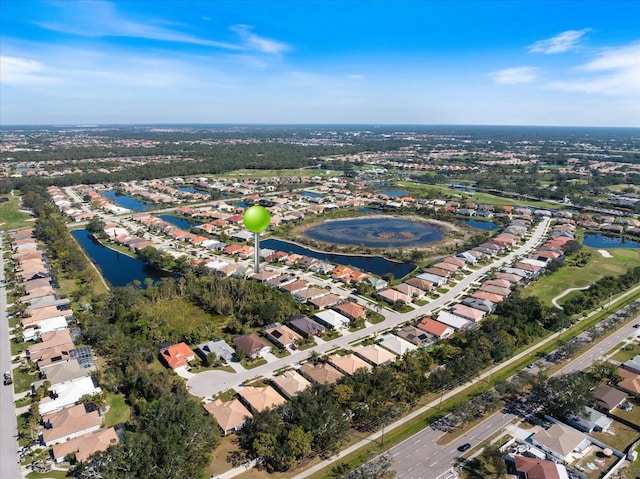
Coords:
pixel 482 225
pixel 311 194
pixel 180 222
pixel 376 232
pixel 377 265
pixel 117 268
pixel 127 201
pixel 598 240
pixel 398 193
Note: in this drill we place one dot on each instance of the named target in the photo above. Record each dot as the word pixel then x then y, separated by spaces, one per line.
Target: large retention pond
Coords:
pixel 117 268
pixel 376 232
pixel 371 264
pixel 598 240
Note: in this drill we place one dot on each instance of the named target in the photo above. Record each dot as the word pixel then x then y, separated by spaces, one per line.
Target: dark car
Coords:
pixel 464 447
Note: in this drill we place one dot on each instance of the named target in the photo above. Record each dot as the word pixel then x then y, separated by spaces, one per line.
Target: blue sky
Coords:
pixel 327 61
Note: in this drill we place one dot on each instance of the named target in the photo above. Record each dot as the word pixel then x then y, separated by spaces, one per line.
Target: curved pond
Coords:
pixel 180 222
pixel 127 201
pixel 117 268
pixel 376 232
pixel 598 240
pixel 371 264
pixel 482 225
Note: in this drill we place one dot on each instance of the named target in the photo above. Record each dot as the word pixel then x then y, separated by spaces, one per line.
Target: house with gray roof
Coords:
pixel 594 421
pixel 219 347
pixel 306 326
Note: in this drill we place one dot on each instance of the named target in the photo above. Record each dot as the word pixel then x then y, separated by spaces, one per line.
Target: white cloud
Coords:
pixel 255 42
pixel 615 72
pixel 563 42
pixel 512 76
pixel 21 71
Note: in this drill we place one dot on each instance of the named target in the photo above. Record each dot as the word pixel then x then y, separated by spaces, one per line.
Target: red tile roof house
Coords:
pixel 177 356
pixel 252 345
pixel 436 328
pixel 351 310
pixel 86 445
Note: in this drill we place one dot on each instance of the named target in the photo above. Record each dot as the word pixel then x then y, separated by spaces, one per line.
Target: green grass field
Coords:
pixel 11 217
pixel 550 286
pixel 119 411
pixel 450 193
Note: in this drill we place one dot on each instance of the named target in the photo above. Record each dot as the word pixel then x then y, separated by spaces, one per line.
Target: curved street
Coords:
pixel 210 383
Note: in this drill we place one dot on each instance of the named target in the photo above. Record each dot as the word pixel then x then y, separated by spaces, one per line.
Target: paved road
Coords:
pixel 416 457
pixel 8 423
pixel 210 383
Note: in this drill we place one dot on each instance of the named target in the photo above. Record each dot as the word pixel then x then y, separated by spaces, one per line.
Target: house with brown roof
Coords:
pixel 231 416
pixel 86 445
pixel 325 301
pixel 435 328
pixel 562 442
pixel 321 373
pixel 410 291
pixel 415 336
pixel 261 398
pixel 374 354
pixel 294 287
pixel 533 468
pixel 252 345
pixel 59 338
pixel 282 336
pixel 608 398
pixel 177 356
pixel 495 290
pixel 68 423
pixel 349 363
pixel 420 283
pixel 290 383
pixel 494 298
pixel 309 294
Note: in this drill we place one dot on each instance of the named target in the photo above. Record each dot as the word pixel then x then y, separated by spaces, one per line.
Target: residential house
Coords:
pixel 282 336
pixel 218 347
pixel 309 294
pixel 630 382
pixel 455 321
pixel 261 398
pixel 415 336
pixel 435 328
pixel 351 310
pixel 422 284
pixel 332 319
pixel 349 363
pixel 321 373
pixel 594 421
pixel 177 356
pixel 633 364
pixel 325 301
pixel 393 296
pixel 561 443
pixel 290 383
pixel 533 468
pixel 231 416
pixel 608 398
pixel 374 354
pixel 306 326
pixel 467 312
pixel 68 423
pixel 252 345
pixel 480 304
pixel 83 447
pixel 410 291
pixel 396 345
pixel 68 393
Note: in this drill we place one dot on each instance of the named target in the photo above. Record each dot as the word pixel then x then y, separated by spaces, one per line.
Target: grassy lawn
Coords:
pixel 632 416
pixel 12 217
pixel 253 363
pixel 549 286
pixel 181 315
pixel 47 475
pixel 17 348
pixel 22 380
pixel 626 353
pixel 618 436
pixel 119 411
pixel 594 471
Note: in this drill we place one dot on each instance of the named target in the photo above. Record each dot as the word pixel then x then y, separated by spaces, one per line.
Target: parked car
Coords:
pixel 7 378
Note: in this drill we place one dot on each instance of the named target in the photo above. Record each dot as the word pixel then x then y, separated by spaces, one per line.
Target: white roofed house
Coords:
pixel 332 319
